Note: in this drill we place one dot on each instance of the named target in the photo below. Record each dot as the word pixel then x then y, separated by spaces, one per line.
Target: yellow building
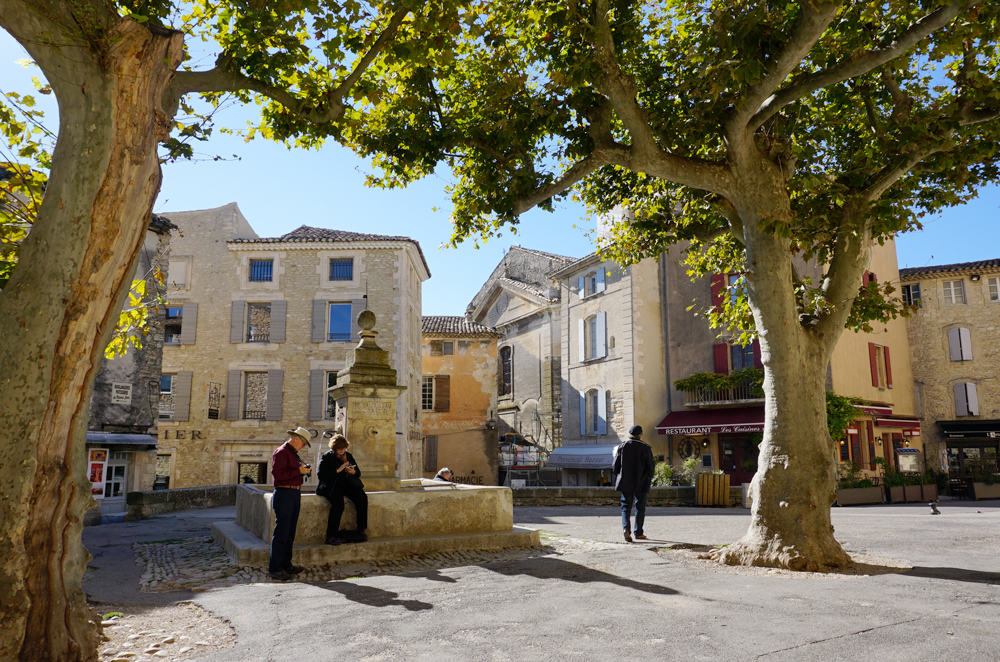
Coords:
pixel 458 399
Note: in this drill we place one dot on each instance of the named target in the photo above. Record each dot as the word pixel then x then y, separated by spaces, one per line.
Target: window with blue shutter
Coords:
pixel 342 269
pixel 340 322
pixel 260 271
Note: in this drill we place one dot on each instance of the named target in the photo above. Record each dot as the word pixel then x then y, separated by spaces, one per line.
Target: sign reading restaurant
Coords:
pixel 709 429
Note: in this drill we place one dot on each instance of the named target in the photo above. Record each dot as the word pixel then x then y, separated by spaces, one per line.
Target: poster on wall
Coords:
pixel 121 394
pixel 97 462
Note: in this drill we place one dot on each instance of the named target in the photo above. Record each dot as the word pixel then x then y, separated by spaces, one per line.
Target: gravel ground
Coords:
pixel 181 631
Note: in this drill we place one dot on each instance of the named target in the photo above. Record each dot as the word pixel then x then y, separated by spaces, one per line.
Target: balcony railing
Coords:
pixel 257 336
pixel 254 414
pixel 706 389
pixel 742 395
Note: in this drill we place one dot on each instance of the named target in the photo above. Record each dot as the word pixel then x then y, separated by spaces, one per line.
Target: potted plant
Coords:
pixel 853 488
pixel 929 486
pixel 894 486
pixel 911 487
pixel 984 480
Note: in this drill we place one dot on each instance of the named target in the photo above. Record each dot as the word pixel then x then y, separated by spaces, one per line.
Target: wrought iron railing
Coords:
pixel 254 414
pixel 741 393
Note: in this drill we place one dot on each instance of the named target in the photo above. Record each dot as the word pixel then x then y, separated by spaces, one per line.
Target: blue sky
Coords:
pixel 278 190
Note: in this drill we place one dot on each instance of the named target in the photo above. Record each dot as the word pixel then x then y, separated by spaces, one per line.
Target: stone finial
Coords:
pixel 366 320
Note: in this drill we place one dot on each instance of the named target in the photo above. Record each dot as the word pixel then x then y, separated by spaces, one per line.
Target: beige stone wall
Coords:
pixel 934 372
pixel 207 451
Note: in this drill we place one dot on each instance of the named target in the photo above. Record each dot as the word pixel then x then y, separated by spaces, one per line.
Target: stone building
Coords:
pixel 122 428
pixel 521 302
pixel 256 330
pixel 459 399
pixel 954 337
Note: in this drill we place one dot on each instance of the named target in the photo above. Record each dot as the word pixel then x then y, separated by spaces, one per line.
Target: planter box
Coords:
pixel 911 493
pixel 984 491
pixel 713 490
pixel 929 492
pixel 856 495
pixel 896 494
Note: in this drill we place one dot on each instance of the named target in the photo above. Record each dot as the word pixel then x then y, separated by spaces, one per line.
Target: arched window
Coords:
pixel 593 336
pixel 506 385
pixel 594 411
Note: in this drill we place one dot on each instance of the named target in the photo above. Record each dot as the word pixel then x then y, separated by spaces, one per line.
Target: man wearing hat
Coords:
pixel 287 470
pixel 633 471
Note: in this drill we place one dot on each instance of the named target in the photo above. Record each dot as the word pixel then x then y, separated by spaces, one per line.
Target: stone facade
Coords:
pixel 122 425
pixel 522 304
pixel 954 336
pixel 237 389
pixel 460 400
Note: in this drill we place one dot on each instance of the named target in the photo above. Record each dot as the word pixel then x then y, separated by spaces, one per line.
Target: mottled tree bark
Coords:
pixel 60 306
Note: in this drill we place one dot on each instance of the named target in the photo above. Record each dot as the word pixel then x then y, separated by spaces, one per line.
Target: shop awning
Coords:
pixel 977 429
pixel 897 422
pixel 707 421
pixel 140 441
pixel 581 457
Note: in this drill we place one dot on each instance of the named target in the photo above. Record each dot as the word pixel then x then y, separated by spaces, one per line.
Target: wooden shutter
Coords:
pixel 718 287
pixel 319 313
pixel 600 279
pixel 583 413
pixel 873 362
pixel 757 361
pixel 602 411
pixel 602 335
pixel 233 395
pixel 954 344
pixel 317 395
pixel 442 392
pixel 972 398
pixel 357 305
pixel 182 396
pixel 720 358
pixel 581 324
pixel 430 453
pixel 275 383
pixel 279 309
pixel 961 400
pixel 965 342
pixel 189 324
pixel 888 367
pixel 236 317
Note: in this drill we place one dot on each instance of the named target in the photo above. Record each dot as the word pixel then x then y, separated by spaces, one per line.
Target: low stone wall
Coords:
pixel 155 502
pixel 606 496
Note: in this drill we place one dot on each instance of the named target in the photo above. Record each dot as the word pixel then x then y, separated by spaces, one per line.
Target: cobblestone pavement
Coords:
pixel 199 564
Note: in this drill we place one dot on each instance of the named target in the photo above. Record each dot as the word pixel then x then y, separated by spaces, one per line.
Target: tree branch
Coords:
pixel 576 172
pixel 861 63
pixel 902 103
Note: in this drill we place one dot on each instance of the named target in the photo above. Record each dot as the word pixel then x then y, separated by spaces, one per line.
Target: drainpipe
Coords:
pixel 664 285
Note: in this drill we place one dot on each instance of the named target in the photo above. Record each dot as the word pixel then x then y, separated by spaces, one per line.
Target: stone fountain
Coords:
pixel 405 517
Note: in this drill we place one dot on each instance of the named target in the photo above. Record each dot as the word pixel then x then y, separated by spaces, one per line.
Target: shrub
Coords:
pixel 663 474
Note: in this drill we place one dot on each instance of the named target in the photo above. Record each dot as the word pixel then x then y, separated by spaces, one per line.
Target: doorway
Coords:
pixel 739 456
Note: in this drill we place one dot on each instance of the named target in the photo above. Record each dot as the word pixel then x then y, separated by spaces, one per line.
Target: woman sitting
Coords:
pixel 339 477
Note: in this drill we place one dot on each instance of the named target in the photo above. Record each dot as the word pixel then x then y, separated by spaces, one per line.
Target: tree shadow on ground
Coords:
pixel 954 574
pixel 549 568
pixel 373 597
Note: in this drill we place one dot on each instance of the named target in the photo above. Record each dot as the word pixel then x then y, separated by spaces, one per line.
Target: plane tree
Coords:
pixel 769 134
pixel 130 90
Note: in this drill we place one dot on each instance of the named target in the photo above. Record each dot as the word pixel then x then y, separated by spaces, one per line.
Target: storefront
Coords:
pixel 583 465
pixel 725 439
pixel 972 449
pixel 118 463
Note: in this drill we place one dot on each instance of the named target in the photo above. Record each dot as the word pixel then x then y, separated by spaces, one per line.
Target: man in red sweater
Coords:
pixel 287 470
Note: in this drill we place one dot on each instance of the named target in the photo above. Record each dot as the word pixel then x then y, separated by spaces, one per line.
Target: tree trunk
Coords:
pixel 794 487
pixel 59 308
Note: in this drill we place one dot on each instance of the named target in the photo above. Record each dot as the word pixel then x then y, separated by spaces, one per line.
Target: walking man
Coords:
pixel 287 470
pixel 633 475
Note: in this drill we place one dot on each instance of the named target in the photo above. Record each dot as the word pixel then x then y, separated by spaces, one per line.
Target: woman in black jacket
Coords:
pixel 339 477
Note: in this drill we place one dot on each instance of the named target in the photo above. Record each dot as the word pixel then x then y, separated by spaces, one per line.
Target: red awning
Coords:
pixel 899 422
pixel 875 410
pixel 707 421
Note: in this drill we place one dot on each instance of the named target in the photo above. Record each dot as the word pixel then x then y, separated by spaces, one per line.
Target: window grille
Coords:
pixel 260 271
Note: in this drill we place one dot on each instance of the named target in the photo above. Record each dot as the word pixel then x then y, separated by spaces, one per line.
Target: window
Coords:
pixel 741 356
pixel 331 404
pixel 177 273
pixel 342 268
pixel 506 371
pixel 255 395
pixel 173 325
pixel 881 367
pixel 340 322
pixel 260 271
pixel 736 287
pixel 911 294
pixel 258 322
pixel 251 472
pixel 442 347
pixel 427 394
pixel 959 344
pixel 594 412
pixel 994 288
pixel 166 397
pixel 954 292
pixel 591 283
pixel 593 337
pixel 966 399
pixel 214 399
pixel 162 479
pixel 431 453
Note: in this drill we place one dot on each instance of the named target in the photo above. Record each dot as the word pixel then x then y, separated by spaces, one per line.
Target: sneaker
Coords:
pixel 295 569
pixel 280 575
pixel 628 536
pixel 641 536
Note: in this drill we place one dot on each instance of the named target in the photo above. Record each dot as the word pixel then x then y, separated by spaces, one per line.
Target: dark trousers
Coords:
pixel 358 498
pixel 285 503
pixel 640 511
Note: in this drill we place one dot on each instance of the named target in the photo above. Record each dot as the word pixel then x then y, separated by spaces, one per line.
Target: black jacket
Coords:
pixel 330 480
pixel 633 467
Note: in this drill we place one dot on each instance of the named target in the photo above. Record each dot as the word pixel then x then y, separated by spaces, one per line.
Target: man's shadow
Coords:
pixel 549 568
pixel 374 597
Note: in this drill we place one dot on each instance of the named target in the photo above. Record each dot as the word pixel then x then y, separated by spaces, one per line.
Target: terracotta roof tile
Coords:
pixel 981 265
pixel 453 325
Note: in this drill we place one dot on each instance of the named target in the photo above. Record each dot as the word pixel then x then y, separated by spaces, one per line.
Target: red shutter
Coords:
pixel 442 392
pixel 873 359
pixel 720 355
pixel 757 362
pixel 871 430
pixel 888 367
pixel 718 288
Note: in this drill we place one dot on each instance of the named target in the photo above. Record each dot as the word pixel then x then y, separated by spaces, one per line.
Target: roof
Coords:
pixel 453 325
pixel 982 265
pixel 307 234
pixel 520 269
pixel 527 288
